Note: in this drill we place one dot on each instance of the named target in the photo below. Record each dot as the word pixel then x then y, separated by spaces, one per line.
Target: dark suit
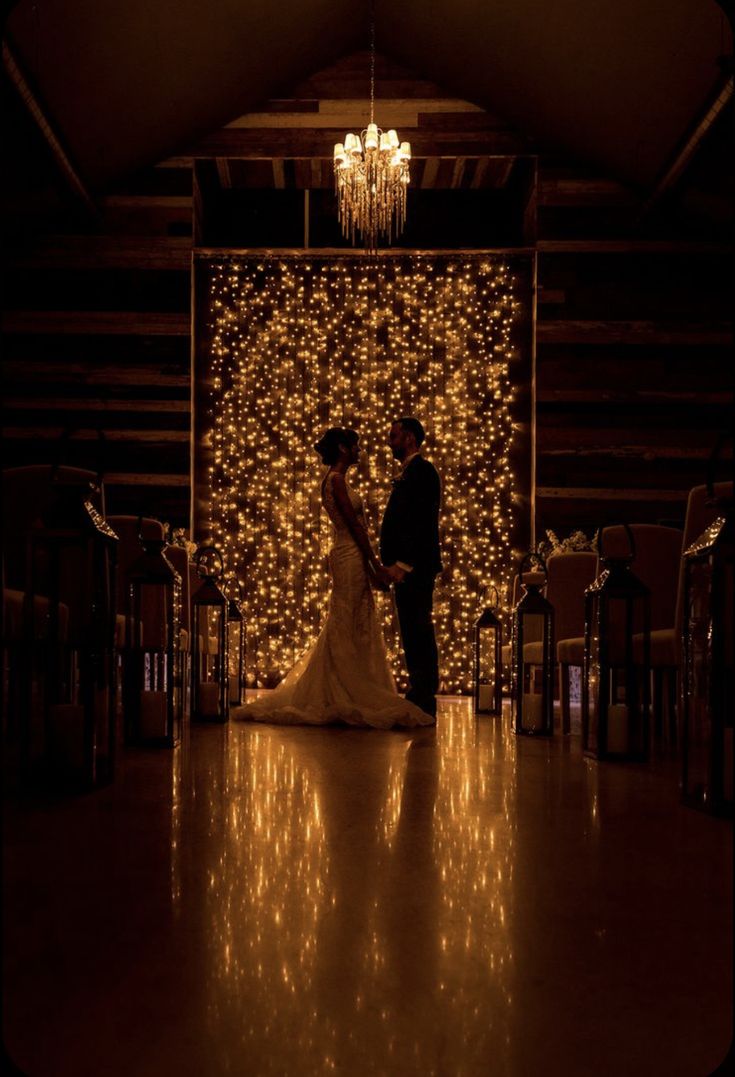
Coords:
pixel 410 533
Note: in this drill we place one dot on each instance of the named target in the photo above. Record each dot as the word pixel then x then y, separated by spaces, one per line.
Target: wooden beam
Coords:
pixel 584 192
pixel 633 332
pixel 128 478
pixel 102 252
pixel 53 433
pixel 92 374
pixel 115 322
pixel 689 145
pixel 59 154
pixel 88 404
pixel 621 394
pixel 673 443
pixel 631 246
pixel 601 493
pixel 315 142
pixel 223 172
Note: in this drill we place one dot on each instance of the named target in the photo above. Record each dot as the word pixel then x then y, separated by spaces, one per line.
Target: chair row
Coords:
pixel 659 564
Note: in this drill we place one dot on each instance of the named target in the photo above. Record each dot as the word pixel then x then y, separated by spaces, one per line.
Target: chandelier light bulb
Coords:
pixel 371 177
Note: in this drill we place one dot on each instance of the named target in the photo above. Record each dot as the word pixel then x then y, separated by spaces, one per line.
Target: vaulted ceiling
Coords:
pixel 615 84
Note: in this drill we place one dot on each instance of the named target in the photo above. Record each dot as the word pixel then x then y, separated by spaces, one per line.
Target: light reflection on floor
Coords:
pixel 307 901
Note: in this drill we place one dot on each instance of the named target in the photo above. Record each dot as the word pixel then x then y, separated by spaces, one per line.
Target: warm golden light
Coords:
pixel 301 344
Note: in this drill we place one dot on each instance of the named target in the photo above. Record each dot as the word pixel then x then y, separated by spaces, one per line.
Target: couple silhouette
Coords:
pixel 345 677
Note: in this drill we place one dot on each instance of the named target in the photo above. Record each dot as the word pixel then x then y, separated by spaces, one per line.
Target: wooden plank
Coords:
pixel 445 173
pixel 601 493
pixel 279 178
pixel 336 88
pixel 147 201
pixel 445 120
pixel 291 104
pixel 116 322
pixel 551 296
pixel 127 478
pixel 435 106
pixel 631 246
pixel 103 252
pixel 53 433
pixel 658 441
pixel 88 404
pixel 448 114
pixel 478 179
pixel 642 452
pixel 458 172
pixel 223 171
pixel 637 371
pixel 584 192
pixel 175 162
pixel 624 394
pixel 590 331
pixel 431 171
pixel 499 171
pixel 313 142
pixel 92 374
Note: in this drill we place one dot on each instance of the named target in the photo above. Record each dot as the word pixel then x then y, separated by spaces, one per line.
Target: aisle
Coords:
pixel 326 901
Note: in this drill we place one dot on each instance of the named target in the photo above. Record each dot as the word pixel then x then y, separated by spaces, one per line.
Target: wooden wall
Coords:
pixel 633 371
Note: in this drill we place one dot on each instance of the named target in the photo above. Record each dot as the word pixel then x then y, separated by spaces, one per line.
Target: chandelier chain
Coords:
pixel 371 175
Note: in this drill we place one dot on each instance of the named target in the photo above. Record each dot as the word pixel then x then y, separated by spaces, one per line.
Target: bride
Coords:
pixel 344 677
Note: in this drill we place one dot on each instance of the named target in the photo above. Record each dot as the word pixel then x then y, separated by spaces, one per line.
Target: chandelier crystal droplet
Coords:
pixel 371 176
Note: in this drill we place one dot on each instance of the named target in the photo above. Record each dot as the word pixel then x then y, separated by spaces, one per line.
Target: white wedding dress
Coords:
pixel 344 677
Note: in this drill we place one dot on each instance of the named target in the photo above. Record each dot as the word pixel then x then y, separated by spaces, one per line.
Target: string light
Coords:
pixel 299 344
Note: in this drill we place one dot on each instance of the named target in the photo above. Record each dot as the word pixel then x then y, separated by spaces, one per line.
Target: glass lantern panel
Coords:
pixel 487 654
pixel 698 686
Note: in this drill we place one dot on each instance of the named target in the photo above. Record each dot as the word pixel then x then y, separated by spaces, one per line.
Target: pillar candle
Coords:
pixel 532 713
pixel 234 688
pixel 727 780
pixel 208 701
pixel 153 714
pixel 486 697
pixel 617 728
pixel 67 724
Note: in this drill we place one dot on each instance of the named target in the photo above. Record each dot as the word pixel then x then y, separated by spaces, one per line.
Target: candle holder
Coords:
pixel 209 659
pixel 615 689
pixel 489 660
pixel 532 654
pixel 67 561
pixel 153 660
pixel 707 698
pixel 236 645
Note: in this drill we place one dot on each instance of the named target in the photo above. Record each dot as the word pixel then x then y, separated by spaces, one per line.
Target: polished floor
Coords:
pixel 299 901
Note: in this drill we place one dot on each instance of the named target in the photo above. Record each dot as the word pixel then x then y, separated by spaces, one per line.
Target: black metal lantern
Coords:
pixel 236 646
pixel 489 660
pixel 67 715
pixel 616 671
pixel 709 650
pixel 532 654
pixel 153 699
pixel 209 662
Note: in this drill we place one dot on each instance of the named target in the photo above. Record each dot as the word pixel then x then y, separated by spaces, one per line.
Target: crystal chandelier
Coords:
pixel 371 176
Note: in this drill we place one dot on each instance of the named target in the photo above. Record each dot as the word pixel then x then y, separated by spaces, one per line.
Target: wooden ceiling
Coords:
pixel 289 142
pixel 614 85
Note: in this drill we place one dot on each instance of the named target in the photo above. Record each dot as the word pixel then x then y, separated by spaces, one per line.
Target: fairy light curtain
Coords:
pixel 294 345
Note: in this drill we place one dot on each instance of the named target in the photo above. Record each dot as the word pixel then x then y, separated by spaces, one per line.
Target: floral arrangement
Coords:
pixel 576 541
pixel 179 537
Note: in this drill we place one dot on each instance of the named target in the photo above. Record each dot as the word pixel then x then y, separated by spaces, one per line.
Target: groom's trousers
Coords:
pixel 414 597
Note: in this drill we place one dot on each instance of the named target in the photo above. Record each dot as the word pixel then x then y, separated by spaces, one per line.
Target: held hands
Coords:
pixel 383 576
pixel 395 573
pixel 380 578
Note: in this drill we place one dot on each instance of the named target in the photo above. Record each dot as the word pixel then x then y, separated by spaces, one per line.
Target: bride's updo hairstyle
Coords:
pixel 329 443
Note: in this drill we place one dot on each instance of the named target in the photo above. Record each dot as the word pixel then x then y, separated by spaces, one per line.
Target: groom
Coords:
pixel 409 550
